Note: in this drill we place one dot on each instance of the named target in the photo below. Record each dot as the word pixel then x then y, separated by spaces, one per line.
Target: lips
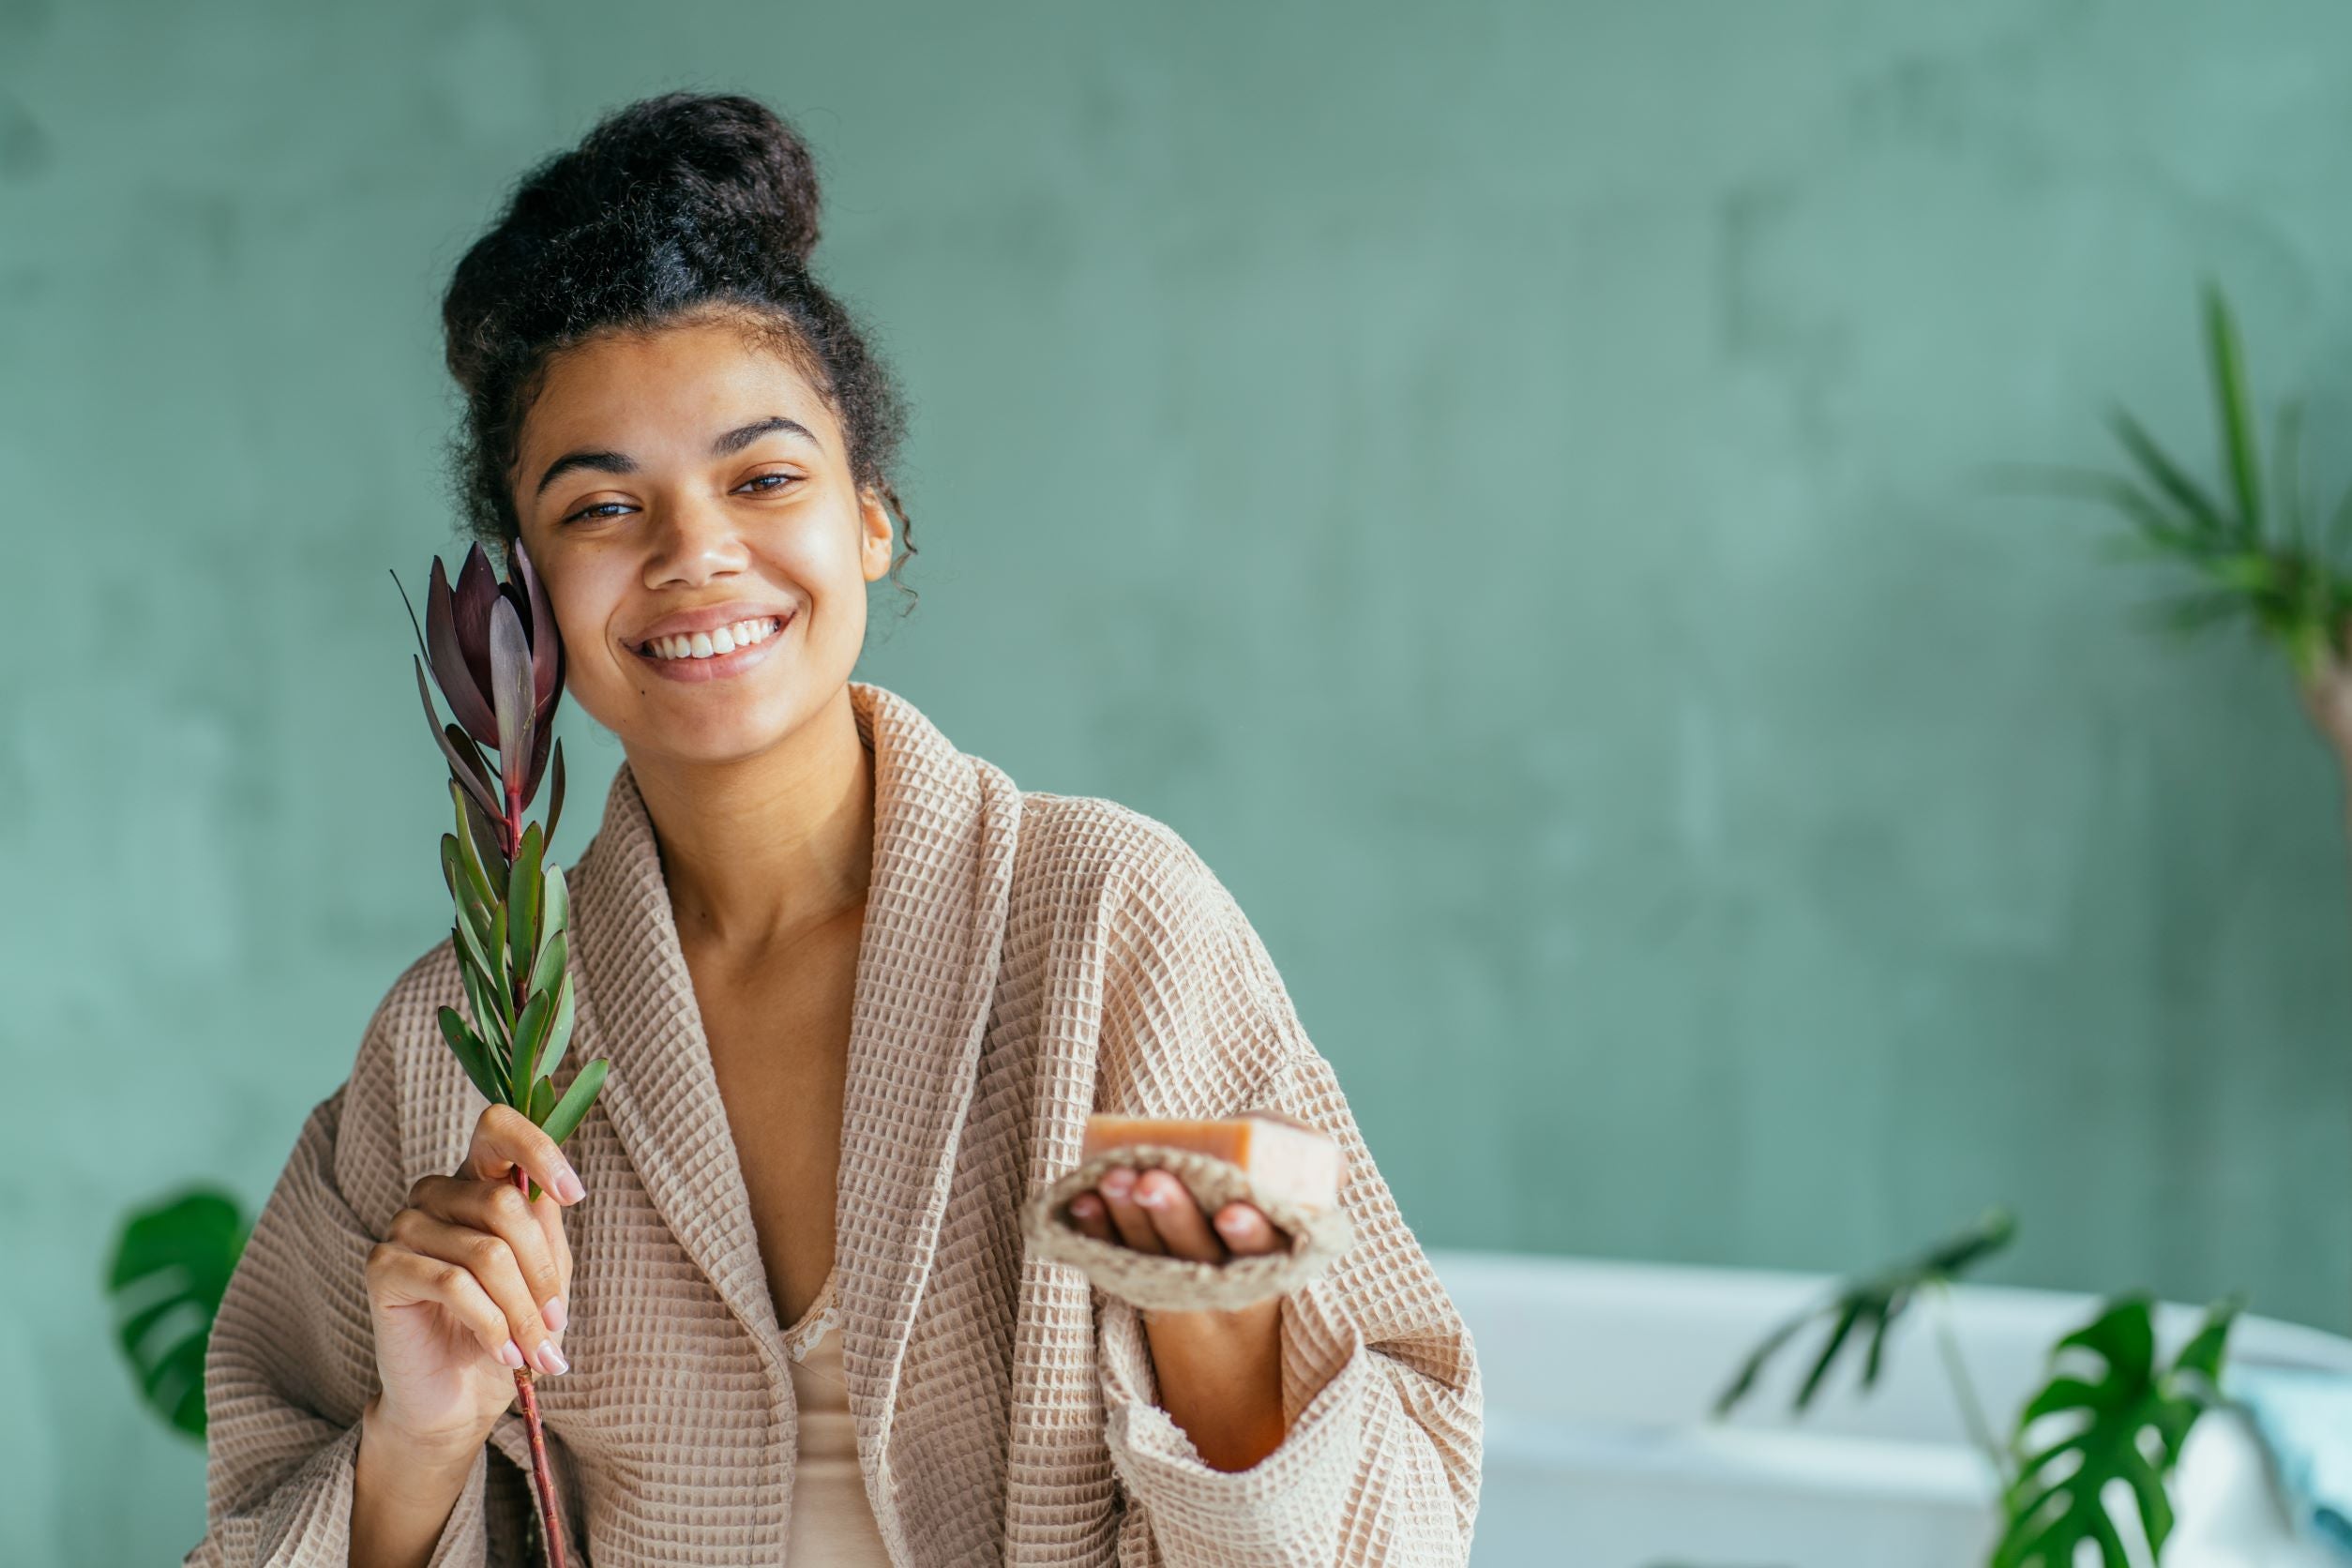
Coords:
pixel 719 666
pixel 707 618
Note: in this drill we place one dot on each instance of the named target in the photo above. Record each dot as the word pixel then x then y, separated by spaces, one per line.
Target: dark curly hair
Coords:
pixel 672 208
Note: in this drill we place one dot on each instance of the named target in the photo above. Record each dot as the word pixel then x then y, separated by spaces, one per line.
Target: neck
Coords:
pixel 758 851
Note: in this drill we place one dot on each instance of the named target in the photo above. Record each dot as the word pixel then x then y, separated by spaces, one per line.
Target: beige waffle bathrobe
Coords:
pixel 1027 959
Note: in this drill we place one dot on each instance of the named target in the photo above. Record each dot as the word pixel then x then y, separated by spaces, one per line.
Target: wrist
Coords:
pixel 410 1462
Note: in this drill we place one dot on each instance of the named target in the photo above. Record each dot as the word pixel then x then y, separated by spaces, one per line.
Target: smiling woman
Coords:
pixel 860 993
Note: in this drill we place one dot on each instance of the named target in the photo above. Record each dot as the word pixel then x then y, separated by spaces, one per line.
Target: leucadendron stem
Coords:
pixel 542 1478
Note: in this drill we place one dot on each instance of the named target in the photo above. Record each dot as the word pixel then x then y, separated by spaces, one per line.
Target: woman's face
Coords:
pixel 684 481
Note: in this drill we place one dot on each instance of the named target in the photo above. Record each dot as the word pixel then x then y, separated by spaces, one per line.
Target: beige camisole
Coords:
pixel 833 1525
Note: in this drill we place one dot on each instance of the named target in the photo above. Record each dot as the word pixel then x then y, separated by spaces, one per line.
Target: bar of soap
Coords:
pixel 1284 1159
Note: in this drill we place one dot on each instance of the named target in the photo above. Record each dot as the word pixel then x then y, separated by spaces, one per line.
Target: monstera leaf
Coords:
pixel 2128 1424
pixel 1871 1303
pixel 170 1266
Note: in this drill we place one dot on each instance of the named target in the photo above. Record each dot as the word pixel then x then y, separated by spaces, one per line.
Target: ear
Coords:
pixel 878 535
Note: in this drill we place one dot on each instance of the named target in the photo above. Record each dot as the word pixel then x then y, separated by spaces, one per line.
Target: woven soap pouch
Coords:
pixel 1167 1283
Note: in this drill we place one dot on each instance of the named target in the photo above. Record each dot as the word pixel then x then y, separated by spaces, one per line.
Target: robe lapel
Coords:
pixel 945 827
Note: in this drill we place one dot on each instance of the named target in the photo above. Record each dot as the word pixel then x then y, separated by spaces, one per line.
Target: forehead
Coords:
pixel 672 388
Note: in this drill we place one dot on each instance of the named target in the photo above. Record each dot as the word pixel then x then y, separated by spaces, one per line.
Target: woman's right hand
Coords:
pixel 461 1287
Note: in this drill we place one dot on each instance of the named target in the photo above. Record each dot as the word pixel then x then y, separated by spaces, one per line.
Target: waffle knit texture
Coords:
pixel 1027 959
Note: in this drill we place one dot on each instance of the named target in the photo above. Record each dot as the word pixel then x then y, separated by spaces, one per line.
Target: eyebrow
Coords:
pixel 726 444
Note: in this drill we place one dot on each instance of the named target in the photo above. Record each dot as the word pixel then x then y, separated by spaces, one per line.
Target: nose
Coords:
pixel 694 540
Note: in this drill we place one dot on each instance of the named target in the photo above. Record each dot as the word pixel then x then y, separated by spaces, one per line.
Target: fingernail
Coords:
pixel 1151 1197
pixel 556 1313
pixel 511 1354
pixel 1233 1225
pixel 1116 1182
pixel 551 1359
pixel 569 1186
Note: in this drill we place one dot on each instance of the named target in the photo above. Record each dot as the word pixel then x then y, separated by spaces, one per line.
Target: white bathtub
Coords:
pixel 1598 1453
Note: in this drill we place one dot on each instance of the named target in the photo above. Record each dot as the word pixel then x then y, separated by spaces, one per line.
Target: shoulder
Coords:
pixel 1117 859
pixel 1190 1012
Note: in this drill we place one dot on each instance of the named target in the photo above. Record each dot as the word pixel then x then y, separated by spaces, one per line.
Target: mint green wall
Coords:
pixel 1503 482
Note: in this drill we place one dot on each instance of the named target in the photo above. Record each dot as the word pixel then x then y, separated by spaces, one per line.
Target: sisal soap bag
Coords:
pixel 1289 1171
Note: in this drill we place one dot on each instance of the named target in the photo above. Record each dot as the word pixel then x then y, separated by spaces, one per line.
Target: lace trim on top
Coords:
pixel 821 1315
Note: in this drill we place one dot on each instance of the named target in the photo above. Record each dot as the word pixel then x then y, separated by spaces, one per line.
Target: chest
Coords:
pixel 778 1032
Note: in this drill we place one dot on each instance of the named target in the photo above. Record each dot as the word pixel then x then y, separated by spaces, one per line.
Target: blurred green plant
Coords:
pixel 169 1268
pixel 2052 1481
pixel 2054 1501
pixel 1873 1303
pixel 2263 558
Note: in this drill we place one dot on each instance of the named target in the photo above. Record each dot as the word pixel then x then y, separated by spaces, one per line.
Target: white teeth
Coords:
pixel 726 639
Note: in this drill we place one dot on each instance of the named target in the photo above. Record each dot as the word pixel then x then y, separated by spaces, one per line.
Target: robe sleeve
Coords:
pixel 291 1361
pixel 1381 1392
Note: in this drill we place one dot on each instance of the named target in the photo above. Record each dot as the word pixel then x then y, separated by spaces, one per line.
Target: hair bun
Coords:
pixel 715 160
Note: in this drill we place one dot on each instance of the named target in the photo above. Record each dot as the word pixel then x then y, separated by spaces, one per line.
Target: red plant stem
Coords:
pixel 542 1479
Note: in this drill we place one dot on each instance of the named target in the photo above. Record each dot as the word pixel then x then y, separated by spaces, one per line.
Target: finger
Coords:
pixel 1092 1215
pixel 401 1278
pixel 504 1137
pixel 548 1210
pixel 498 1207
pixel 1135 1226
pixel 1249 1231
pixel 1178 1218
pixel 492 1263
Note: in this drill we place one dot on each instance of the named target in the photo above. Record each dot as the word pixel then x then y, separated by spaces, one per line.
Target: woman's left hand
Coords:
pixel 1150 1210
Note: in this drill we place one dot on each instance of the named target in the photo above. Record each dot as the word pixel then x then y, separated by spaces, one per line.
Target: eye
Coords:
pixel 764 488
pixel 590 511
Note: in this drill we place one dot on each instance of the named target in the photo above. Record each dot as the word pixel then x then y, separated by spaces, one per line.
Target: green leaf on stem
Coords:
pixel 555 905
pixel 524 889
pixel 2057 1503
pixel 1872 1302
pixel 497 949
pixel 487 846
pixel 551 956
pixel 473 1055
pixel 486 996
pixel 473 855
pixel 575 1101
pixel 2229 396
pixel 478 955
pixel 2250 572
pixel 542 1100
pixel 559 1031
pixel 2167 474
pixel 530 1037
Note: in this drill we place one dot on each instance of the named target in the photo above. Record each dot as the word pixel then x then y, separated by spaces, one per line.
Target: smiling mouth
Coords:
pixel 691 647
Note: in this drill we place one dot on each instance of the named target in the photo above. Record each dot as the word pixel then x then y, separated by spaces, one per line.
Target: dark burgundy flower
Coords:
pixel 494 651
